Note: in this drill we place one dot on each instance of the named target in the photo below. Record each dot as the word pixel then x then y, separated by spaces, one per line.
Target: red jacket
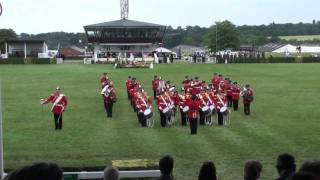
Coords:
pixel 229 88
pixel 215 80
pixel 194 107
pixel 249 93
pixel 103 80
pixel 155 83
pixel 59 101
pixel 219 103
pixel 111 96
pixel 162 102
pixel 142 103
pixel 236 93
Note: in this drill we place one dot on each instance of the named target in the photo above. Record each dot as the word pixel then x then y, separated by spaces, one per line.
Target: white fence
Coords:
pixel 122 174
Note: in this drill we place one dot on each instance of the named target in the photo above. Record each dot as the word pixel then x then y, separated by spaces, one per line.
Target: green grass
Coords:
pixel 285 118
pixel 300 38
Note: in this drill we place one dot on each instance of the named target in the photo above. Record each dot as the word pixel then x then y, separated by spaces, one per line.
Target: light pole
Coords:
pixel 1 138
pixel 216 37
pixel 0 9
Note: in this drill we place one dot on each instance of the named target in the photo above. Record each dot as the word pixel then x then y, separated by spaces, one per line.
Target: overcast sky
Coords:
pixel 40 16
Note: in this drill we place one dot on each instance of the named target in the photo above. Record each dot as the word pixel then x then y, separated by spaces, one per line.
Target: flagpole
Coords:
pixel 1 137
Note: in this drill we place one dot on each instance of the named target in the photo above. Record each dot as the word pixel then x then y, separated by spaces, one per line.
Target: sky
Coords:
pixel 41 16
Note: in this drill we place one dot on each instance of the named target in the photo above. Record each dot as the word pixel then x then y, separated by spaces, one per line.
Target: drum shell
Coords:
pixel 148 114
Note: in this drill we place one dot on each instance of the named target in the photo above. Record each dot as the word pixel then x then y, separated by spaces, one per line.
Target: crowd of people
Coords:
pixel 253 169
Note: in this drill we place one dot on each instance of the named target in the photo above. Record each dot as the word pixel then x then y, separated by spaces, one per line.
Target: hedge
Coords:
pixel 27 61
pixel 275 60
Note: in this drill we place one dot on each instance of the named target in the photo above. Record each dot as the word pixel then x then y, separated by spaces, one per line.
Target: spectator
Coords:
pixel 166 166
pixel 207 171
pixel 252 170
pixel 312 167
pixel 37 171
pixel 303 176
pixel 111 173
pixel 286 166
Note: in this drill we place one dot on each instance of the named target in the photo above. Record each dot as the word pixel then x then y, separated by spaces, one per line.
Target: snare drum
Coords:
pixel 147 113
pixel 185 109
pixel 223 109
pixel 212 107
pixel 167 109
pixel 205 109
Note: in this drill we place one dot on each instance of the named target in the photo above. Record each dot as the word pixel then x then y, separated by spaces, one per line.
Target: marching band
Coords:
pixel 197 101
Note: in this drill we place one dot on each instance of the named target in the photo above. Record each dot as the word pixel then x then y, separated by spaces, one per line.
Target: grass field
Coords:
pixel 285 118
pixel 300 38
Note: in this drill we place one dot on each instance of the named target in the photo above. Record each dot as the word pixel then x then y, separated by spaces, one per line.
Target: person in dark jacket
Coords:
pixel 166 164
pixel 286 166
pixel 252 170
pixel 207 171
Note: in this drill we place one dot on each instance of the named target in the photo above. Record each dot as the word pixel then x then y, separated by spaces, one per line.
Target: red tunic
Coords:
pixel 249 93
pixel 111 98
pixel 215 80
pixel 59 101
pixel 235 93
pixel 194 107
pixel 155 83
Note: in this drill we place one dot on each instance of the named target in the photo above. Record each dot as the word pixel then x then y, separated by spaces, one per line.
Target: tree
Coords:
pixel 224 35
pixel 6 34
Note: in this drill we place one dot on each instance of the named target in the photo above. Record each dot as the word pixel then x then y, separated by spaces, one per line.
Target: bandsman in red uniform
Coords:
pixel 181 105
pixel 247 99
pixel 103 80
pixel 142 103
pixel 163 103
pixel 155 83
pixel 109 98
pixel 215 81
pixel 59 104
pixel 220 102
pixel 193 113
pixel 236 89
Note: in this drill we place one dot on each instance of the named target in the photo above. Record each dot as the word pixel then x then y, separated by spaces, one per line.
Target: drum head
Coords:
pixel 212 107
pixel 223 109
pixel 185 109
pixel 166 110
pixel 205 108
pixel 147 112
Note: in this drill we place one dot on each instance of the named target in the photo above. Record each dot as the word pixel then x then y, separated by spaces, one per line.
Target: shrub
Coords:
pixel 12 61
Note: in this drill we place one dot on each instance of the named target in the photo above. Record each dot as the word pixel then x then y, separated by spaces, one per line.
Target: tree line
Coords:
pixel 228 35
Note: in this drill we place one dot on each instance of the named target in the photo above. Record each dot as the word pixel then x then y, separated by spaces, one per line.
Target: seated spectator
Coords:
pixel 207 171
pixel 166 166
pixel 111 173
pixel 252 170
pixel 303 176
pixel 286 166
pixel 312 167
pixel 37 171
